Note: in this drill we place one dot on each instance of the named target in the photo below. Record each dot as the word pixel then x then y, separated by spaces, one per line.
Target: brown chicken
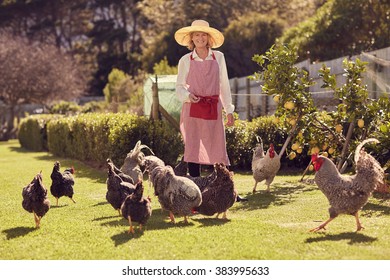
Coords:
pixel 347 194
pixel 265 167
pixel 35 199
pixel 62 183
pixel 137 208
pixel 220 194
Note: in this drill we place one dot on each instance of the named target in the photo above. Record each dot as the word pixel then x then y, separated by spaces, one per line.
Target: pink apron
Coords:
pixel 204 139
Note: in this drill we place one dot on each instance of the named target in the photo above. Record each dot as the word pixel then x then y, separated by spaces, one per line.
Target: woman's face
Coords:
pixel 200 39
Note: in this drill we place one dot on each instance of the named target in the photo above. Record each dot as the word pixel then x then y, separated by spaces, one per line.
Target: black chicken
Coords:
pixel 62 183
pixel 117 189
pixel 137 208
pixel 220 194
pixel 124 177
pixel 35 199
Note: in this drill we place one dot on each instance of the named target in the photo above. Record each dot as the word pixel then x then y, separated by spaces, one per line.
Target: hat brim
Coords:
pixel 182 36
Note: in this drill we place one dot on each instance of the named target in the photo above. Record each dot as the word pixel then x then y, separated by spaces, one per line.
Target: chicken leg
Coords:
pixel 358 224
pixel 131 229
pixel 36 219
pixel 322 226
pixel 172 217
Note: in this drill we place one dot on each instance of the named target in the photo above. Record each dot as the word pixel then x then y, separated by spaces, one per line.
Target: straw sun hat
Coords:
pixel 182 36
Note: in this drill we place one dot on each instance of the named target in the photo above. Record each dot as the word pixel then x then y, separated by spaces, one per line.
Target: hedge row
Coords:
pixel 93 137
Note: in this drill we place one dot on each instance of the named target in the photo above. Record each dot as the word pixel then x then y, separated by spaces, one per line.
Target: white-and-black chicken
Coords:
pixel 347 194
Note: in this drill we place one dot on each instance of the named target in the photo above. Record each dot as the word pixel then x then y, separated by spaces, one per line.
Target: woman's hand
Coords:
pixel 193 98
pixel 230 120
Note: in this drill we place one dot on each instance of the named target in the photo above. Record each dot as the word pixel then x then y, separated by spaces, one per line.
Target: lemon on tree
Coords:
pixel 292 155
pixel 339 128
pixel 289 105
pixel 360 123
pixel 295 146
pixel 276 98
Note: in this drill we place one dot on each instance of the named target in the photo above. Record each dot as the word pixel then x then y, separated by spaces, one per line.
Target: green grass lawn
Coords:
pixel 272 226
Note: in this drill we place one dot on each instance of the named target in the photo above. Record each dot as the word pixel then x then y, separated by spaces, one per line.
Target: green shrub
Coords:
pixel 32 133
pixel 94 137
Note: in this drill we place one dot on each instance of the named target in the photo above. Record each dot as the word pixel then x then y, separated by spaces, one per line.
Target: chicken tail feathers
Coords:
pixel 360 146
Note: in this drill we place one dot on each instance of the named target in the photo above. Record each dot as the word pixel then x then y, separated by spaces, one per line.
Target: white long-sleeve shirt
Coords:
pixel 183 69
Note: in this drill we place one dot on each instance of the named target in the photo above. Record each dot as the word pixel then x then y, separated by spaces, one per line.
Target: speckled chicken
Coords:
pixel 177 194
pixel 35 199
pixel 124 177
pixel 220 195
pixel 347 194
pixel 136 207
pixel 117 189
pixel 265 167
pixel 131 165
pixel 62 183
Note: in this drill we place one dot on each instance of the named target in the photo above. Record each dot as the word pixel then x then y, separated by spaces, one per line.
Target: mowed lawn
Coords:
pixel 270 226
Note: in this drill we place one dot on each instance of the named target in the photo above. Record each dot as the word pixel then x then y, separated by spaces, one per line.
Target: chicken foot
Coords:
pixel 358 224
pixel 322 226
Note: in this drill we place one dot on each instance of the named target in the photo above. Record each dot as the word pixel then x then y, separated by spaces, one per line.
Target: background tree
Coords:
pixel 249 35
pixel 30 73
pixel 342 28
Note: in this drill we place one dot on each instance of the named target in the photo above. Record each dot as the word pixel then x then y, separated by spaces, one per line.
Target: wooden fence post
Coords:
pixel 248 100
pixel 156 103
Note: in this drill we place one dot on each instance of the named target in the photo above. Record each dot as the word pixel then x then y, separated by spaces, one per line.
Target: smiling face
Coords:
pixel 200 39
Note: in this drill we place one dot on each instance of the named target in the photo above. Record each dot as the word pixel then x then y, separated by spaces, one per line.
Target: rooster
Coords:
pixel 347 194
pixel 177 194
pixel 137 208
pixel 265 167
pixel 62 183
pixel 220 194
pixel 35 199
pixel 117 189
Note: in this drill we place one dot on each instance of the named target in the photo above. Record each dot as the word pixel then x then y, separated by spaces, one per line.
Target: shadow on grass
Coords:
pixel 17 232
pixel 125 236
pixel 280 194
pixel 105 218
pixel 353 237
pixel 378 209
pixel 212 221
pixel 100 203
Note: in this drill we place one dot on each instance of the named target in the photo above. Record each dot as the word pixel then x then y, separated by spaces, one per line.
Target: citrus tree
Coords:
pixel 335 134
pixel 289 86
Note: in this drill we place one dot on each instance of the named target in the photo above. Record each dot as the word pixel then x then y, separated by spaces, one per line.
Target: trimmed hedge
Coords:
pixel 32 133
pixel 94 137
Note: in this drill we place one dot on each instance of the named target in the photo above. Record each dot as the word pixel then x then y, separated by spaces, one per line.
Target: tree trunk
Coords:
pixel 346 144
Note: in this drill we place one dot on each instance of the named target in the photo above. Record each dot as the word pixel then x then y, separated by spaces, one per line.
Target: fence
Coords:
pixel 250 102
